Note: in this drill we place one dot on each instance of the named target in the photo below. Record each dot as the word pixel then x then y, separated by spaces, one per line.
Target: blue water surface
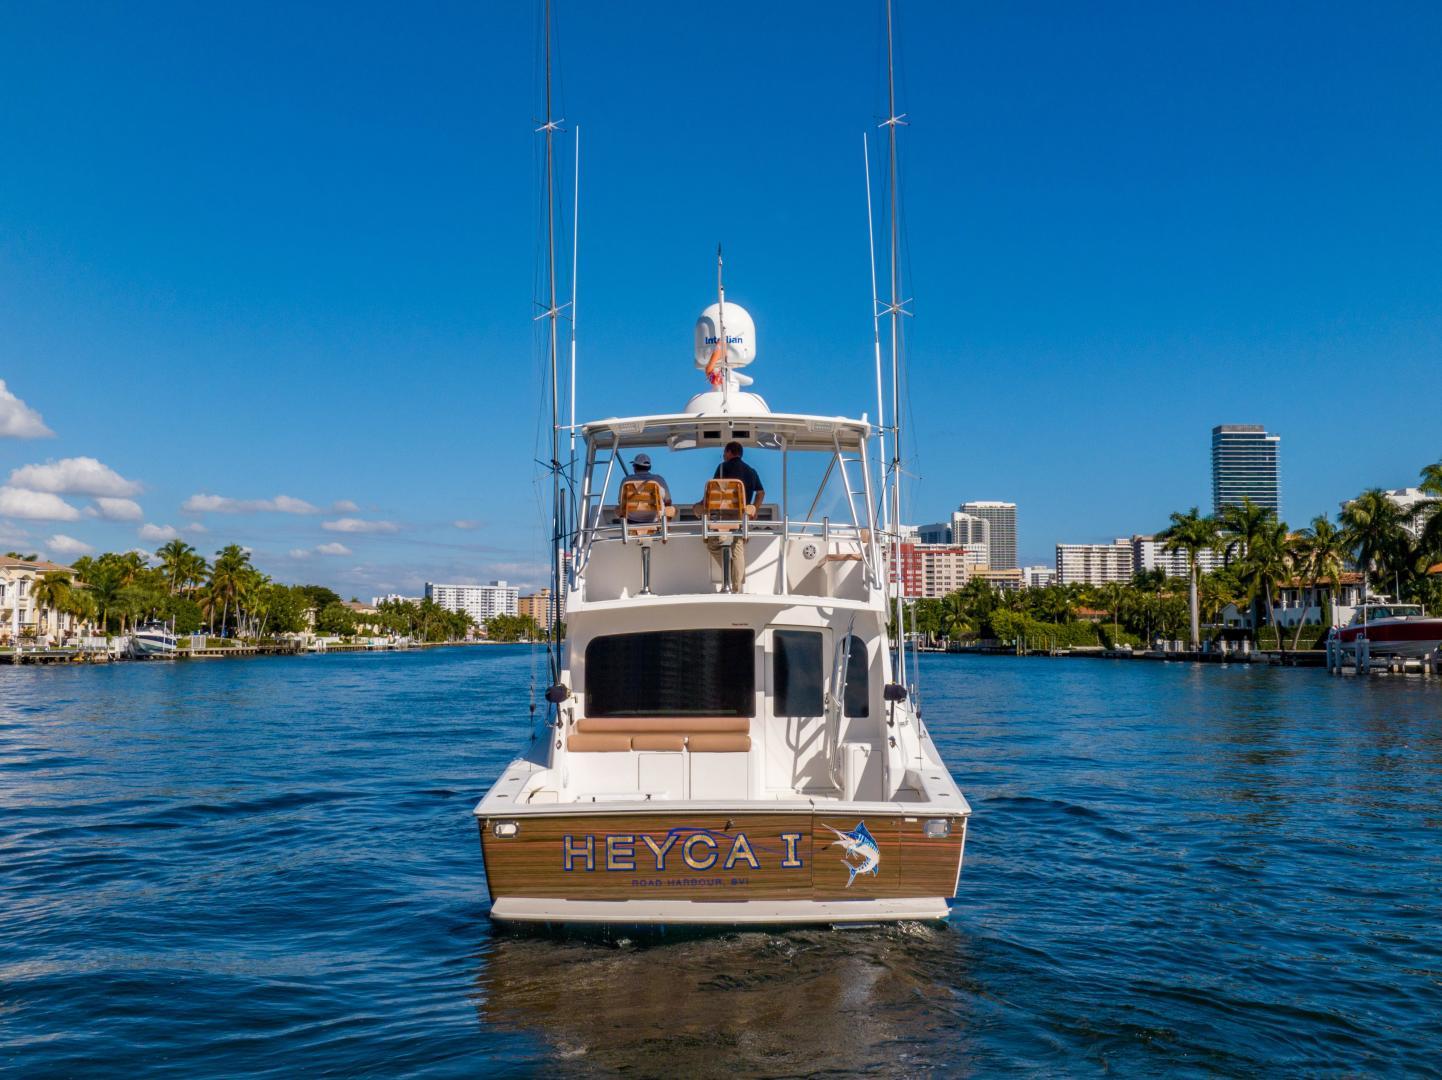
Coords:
pixel 269 866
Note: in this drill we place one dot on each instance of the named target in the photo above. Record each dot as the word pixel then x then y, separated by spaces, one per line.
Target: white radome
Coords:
pixel 740 335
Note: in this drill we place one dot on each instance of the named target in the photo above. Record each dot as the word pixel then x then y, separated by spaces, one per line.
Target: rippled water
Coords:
pixel 269 866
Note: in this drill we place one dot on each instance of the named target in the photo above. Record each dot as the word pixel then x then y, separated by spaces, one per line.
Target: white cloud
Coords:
pixel 323 549
pixel 115 509
pixel 221 504
pixel 157 532
pixel 18 420
pixel 196 527
pixel 60 544
pixel 343 506
pixel 357 525
pixel 35 505
pixel 74 476
pixel 463 524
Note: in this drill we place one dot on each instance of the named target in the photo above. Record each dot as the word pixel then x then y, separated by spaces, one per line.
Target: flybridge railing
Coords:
pixel 608 529
pixel 598 521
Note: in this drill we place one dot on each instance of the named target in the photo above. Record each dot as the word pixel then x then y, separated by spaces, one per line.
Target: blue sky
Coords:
pixel 291 250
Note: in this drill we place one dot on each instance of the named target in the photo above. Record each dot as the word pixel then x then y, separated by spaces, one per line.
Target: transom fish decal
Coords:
pixel 859 850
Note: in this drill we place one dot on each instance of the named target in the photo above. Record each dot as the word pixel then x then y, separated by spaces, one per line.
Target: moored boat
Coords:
pixel 153 640
pixel 1389 629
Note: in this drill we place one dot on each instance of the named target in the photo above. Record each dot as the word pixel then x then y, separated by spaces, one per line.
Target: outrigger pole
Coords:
pixel 552 313
pixel 876 343
pixel 895 309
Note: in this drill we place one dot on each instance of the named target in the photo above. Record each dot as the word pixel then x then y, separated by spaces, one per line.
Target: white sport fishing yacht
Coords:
pixel 731 737
pixel 727 747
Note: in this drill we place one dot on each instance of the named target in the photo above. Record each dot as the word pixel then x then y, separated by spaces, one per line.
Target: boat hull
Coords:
pixel 721 867
pixel 1412 638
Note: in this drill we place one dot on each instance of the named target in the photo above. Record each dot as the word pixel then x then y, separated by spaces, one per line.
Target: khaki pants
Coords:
pixel 718 545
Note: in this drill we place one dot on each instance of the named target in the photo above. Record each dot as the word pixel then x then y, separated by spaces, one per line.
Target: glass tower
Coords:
pixel 1244 466
pixel 1000 518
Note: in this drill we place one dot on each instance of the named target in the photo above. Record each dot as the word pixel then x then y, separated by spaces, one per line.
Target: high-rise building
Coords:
pixel 999 579
pixel 1416 505
pixel 1244 466
pixel 539 606
pixel 1094 564
pixel 1149 553
pixel 1000 518
pixel 480 602
pixel 933 569
pixel 962 530
pixel 1037 577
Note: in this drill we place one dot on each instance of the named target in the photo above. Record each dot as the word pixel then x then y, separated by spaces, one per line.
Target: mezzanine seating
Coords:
pixel 698 734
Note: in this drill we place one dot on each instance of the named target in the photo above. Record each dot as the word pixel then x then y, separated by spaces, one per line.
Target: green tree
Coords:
pixel 1372 526
pixel 512 628
pixel 336 618
pixel 1192 534
pixel 228 578
pixel 1320 554
pixel 51 593
pixel 174 557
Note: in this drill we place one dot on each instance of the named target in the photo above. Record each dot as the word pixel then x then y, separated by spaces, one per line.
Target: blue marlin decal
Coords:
pixel 860 852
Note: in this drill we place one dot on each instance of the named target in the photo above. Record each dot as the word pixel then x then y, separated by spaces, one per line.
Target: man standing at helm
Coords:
pixel 733 468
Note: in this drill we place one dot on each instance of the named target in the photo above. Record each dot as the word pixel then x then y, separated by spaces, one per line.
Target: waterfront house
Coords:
pixel 21 618
pixel 1297 601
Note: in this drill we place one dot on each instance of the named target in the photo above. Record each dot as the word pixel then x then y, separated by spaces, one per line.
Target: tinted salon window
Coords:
pixel 798 672
pixel 858 679
pixel 672 673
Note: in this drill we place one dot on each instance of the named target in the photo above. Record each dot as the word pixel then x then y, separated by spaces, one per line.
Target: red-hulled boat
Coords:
pixel 1392 630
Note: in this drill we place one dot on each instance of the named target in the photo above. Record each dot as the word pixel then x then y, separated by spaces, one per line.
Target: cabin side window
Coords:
pixel 672 673
pixel 858 679
pixel 797 673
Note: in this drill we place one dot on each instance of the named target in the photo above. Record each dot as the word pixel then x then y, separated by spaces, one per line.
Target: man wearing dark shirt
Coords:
pixel 733 468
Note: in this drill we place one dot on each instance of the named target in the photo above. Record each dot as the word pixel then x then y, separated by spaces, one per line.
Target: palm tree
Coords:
pixel 1321 551
pixel 1193 534
pixel 105 589
pixel 80 605
pixel 1268 563
pixel 1112 595
pixel 1372 525
pixel 955 615
pixel 227 578
pixel 51 592
pixel 175 560
pixel 1238 525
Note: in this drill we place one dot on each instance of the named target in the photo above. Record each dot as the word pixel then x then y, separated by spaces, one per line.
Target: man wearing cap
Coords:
pixel 641 471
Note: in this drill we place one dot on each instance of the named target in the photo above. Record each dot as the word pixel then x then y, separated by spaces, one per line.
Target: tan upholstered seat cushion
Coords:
pixel 598 743
pixel 664 725
pixel 719 744
pixel 657 742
